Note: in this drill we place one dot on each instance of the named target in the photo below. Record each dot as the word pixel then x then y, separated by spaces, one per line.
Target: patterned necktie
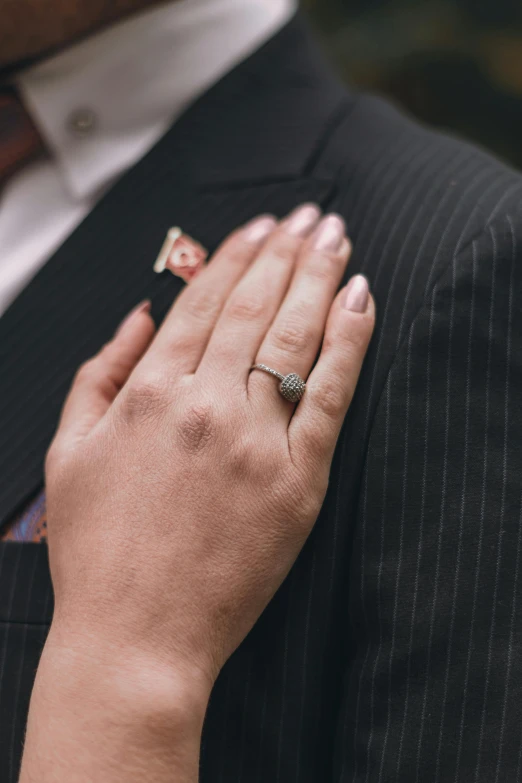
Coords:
pixel 19 138
pixel 20 143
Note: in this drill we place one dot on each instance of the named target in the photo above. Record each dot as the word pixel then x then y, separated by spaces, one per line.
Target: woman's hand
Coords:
pixel 181 486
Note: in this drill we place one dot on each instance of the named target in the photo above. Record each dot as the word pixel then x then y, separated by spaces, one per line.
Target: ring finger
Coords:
pixel 293 341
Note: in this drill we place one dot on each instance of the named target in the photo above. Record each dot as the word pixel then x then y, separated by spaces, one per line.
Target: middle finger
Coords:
pixel 256 299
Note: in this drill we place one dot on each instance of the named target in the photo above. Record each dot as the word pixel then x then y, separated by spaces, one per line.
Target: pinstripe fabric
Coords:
pixel 392 651
pixel 430 694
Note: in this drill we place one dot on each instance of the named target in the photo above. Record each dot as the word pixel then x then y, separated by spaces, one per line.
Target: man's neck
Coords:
pixel 32 29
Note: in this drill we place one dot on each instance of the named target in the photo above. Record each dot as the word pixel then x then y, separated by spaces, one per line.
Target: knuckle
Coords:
pixel 301 505
pixel 292 336
pixel 285 245
pixel 285 248
pixel 329 395
pixel 357 341
pixel 146 395
pixel 245 308
pixel 352 344
pixel 196 426
pixel 105 354
pixel 310 505
pixel 204 305
pixel 88 371
pixel 248 455
pixel 240 458
pixel 235 249
pixel 323 267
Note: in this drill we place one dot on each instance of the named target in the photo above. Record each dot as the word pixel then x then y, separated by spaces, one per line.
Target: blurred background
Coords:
pixel 456 64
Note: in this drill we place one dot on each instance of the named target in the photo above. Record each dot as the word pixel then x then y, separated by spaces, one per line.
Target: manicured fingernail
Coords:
pixel 259 229
pixel 357 294
pixel 302 220
pixel 329 234
pixel 143 307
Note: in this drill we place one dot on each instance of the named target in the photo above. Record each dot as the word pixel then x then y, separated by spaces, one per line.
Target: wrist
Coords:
pixel 97 716
pixel 114 679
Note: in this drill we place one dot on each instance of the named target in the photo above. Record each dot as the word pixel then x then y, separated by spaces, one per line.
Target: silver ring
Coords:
pixel 292 387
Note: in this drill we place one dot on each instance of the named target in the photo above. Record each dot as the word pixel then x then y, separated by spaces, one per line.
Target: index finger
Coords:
pixel 187 327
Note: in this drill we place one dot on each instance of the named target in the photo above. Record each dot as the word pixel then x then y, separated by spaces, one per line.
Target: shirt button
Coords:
pixel 82 122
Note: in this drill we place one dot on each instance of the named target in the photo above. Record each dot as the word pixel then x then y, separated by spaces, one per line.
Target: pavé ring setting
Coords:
pixel 292 387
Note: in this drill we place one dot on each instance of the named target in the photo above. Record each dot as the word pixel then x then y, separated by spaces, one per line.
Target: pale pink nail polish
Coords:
pixel 330 233
pixel 357 294
pixel 142 307
pixel 302 220
pixel 259 229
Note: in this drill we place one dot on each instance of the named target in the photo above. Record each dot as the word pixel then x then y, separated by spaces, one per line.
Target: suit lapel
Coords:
pixel 242 149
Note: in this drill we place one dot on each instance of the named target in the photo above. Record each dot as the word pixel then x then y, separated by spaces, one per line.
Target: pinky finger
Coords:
pixel 316 424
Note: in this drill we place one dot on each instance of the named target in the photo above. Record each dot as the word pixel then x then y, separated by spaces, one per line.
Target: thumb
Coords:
pixel 99 380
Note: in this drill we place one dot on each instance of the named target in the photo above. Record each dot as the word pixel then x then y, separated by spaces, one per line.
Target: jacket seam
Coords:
pixel 425 299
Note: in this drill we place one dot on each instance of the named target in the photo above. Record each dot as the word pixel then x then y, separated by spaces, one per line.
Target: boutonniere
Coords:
pixel 182 255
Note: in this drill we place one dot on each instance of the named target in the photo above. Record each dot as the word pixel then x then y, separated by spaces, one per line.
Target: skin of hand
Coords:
pixel 33 28
pixel 181 487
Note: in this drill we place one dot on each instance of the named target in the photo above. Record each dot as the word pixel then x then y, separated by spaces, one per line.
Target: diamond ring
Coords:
pixel 292 387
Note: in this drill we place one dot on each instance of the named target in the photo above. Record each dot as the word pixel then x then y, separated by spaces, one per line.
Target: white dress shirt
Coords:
pixel 102 104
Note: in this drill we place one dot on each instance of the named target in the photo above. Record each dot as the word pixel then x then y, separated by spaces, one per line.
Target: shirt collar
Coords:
pixel 125 86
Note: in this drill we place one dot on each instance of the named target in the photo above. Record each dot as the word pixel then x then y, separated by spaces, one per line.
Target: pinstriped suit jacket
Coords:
pixel 393 652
